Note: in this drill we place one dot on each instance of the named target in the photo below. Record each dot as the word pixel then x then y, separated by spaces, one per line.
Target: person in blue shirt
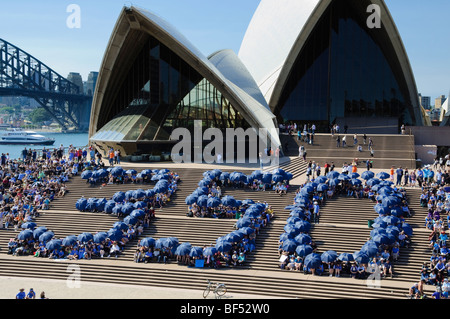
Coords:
pixel 21 294
pixel 31 294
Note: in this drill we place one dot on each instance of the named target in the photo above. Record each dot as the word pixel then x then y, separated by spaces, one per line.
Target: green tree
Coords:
pixel 39 115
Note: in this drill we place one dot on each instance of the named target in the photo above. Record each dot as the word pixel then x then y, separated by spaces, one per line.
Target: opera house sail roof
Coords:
pixel 153 80
pixel 320 60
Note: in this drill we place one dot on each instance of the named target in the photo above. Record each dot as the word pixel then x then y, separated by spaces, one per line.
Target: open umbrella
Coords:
pixel 361 257
pixel 367 175
pixel 54 244
pixel 119 197
pixel 298 212
pixel 277 178
pixel 147 242
pixel 312 261
pixel 322 187
pixel 346 257
pixel 117 171
pixel 130 220
pixel 321 180
pixel 138 213
pixel 303 239
pixel 223 246
pixel 114 234
pixel 234 236
pixel 289 245
pixel 292 230
pixel 333 175
pixel 69 240
pixel 100 204
pixel 86 174
pixel 131 172
pixel 246 230
pixel 25 234
pixel 381 239
pixel 127 208
pixel 303 250
pixel 39 231
pixel 81 204
pixel 213 202
pixel 110 204
pixel 209 251
pixel 191 199
pixel 138 193
pixel 372 182
pixel 355 182
pixel 229 201
pixel 196 251
pixel 183 249
pixel 45 237
pixel 99 237
pixel 85 237
pixel 383 175
pixel 303 226
pixel 243 222
pixel 329 256
pixel 202 200
pixel 28 225
pixel 391 220
pixel 370 249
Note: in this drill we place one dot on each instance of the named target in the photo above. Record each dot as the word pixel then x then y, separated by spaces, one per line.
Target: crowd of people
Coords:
pixel 230 250
pixel 208 201
pixel 377 257
pixel 436 272
pixel 30 184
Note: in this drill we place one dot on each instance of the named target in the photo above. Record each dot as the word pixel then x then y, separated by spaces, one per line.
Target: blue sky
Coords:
pixel 39 27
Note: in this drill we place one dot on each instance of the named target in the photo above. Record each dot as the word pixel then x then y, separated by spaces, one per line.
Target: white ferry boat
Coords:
pixel 25 138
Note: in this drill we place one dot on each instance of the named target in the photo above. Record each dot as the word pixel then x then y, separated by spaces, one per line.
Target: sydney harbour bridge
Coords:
pixel 23 75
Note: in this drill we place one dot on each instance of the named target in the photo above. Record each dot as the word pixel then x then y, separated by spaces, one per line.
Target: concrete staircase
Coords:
pixel 389 150
pixel 343 228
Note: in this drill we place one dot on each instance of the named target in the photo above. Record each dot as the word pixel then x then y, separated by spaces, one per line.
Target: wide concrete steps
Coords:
pixel 261 274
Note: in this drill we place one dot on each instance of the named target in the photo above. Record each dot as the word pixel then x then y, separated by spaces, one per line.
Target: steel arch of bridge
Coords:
pixel 23 75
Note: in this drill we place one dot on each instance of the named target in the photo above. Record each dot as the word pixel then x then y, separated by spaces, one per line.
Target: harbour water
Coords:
pixel 66 139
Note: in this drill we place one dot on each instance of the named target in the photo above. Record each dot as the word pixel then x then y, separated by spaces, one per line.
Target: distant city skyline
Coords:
pixel 41 29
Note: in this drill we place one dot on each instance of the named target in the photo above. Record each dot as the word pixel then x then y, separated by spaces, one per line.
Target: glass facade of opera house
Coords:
pixel 346 70
pixel 160 93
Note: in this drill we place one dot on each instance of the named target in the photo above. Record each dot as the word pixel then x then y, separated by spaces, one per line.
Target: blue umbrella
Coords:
pixel 119 197
pixel 277 178
pixel 383 175
pixel 130 220
pixel 100 204
pixel 25 234
pixel 150 193
pixel 45 237
pixel 196 252
pixel 224 176
pixel 321 180
pixel 312 261
pixel 228 201
pixel 127 208
pixel 303 226
pixel 209 251
pixel 379 224
pixel 298 212
pixel 223 246
pixel 367 175
pixel 117 209
pixel 322 187
pixel 99 237
pixel 117 171
pixel 183 249
pixel 147 242
pixel 69 240
pixel 266 178
pixel 391 220
pixel 334 182
pixel 91 204
pixel 138 193
pixel 394 230
pixel 303 239
pixel 170 242
pixel 329 256
pixel 131 172
pixel 381 209
pixel 202 200
pixel 140 205
pixel 381 239
pixel 246 230
pixel 346 257
pixel 38 232
pixel 213 202
pixel 138 213
pixel 289 245
pixel 372 182
pixel 407 229
pixel 28 225
pixel 114 234
pixel 361 258
pixel 303 250
pixel 355 182
pixel 191 199
pixel 354 175
pixel 370 249
pixel 333 175
pixel 81 204
pixel 243 222
pixel 110 204
pixel 86 174
pixel 248 202
pixel 85 237
pixel 54 244
pixel 344 177
pixel 234 236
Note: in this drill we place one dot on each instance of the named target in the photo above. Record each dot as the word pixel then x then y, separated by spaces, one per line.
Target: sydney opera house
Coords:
pixel 302 61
